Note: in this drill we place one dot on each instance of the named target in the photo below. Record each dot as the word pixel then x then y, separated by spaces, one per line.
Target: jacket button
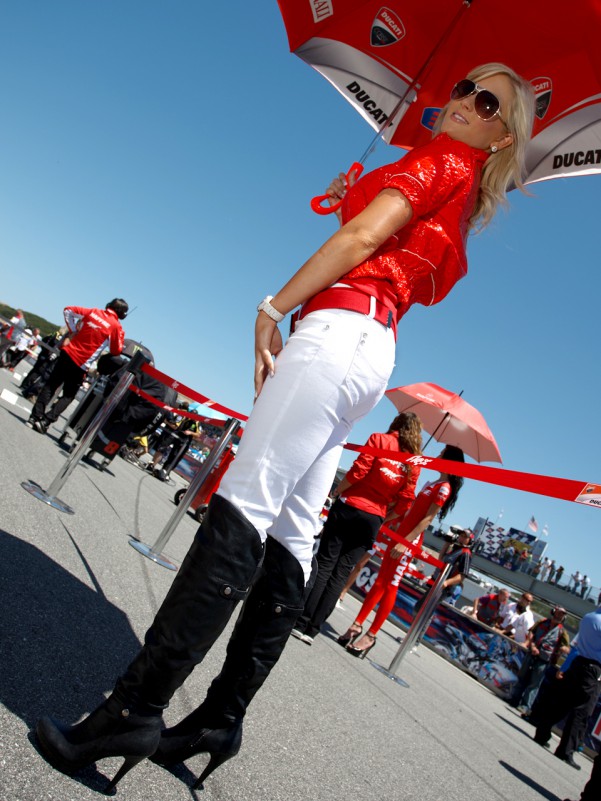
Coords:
pixel 278 609
pixel 227 591
pixel 125 713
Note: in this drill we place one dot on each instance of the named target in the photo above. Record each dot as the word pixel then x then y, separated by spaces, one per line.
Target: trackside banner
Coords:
pixel 564 488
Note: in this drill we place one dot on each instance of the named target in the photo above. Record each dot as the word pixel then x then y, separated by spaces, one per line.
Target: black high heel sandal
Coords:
pixel 186 740
pixel 114 729
pixel 361 653
pixel 349 635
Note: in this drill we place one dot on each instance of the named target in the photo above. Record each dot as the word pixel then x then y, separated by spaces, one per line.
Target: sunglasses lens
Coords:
pixel 486 104
pixel 462 88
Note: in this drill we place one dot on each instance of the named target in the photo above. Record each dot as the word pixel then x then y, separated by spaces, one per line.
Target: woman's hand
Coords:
pixel 397 551
pixel 338 189
pixel 268 343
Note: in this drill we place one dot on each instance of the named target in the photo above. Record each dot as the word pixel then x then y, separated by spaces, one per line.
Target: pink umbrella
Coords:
pixel 448 418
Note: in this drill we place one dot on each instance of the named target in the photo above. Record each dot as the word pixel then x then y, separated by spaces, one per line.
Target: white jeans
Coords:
pixel 331 373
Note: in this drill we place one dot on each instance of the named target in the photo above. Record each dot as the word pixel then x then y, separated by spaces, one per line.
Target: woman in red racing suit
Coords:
pixel 435 498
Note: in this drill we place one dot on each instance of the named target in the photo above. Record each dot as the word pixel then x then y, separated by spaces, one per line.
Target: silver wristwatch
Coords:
pixel 265 305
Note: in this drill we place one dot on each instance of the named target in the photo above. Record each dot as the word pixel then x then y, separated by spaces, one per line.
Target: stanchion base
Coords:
pixel 390 675
pixel 41 494
pixel 146 550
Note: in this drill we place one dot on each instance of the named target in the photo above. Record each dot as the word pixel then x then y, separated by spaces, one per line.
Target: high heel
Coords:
pixel 220 744
pixel 214 762
pixel 350 634
pixel 128 764
pixel 361 653
pixel 116 728
pixel 189 738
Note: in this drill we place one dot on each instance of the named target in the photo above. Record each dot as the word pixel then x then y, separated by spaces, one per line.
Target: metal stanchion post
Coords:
pixel 417 628
pixel 49 496
pixel 96 388
pixel 154 552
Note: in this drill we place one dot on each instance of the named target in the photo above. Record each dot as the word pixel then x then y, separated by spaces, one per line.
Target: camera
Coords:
pixel 453 534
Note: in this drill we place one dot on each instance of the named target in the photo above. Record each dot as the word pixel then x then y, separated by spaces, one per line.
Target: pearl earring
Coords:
pixel 494 149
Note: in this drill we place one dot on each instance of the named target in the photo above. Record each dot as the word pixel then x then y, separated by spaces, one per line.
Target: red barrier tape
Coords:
pixel 564 488
pixel 179 412
pixel 411 571
pixel 414 550
pixel 191 393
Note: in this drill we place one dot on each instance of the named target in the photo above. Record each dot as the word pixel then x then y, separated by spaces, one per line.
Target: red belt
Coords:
pixel 351 300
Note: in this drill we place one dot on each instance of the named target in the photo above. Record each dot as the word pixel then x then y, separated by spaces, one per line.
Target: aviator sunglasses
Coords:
pixel 486 105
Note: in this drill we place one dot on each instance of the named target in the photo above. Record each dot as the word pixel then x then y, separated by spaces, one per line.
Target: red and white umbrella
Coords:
pixel 396 61
pixel 449 419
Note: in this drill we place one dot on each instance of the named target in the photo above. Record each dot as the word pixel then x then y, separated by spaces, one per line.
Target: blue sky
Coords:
pixel 167 152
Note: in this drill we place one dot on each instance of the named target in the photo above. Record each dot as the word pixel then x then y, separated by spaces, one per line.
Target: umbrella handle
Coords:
pixel 317 201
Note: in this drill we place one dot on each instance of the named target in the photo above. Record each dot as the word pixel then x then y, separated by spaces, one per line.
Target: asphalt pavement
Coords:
pixel 76 600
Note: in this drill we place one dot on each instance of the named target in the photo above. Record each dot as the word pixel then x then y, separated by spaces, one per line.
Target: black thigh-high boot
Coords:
pixel 216 573
pixel 261 632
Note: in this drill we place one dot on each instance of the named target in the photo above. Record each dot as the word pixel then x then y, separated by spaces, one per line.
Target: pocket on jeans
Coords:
pixel 309 337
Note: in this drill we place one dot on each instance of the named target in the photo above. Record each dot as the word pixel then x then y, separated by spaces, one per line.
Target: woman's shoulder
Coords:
pixel 384 440
pixel 436 488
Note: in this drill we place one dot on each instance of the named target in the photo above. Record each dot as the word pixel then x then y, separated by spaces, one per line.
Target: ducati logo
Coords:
pixel 387 28
pixel 367 102
pixel 542 91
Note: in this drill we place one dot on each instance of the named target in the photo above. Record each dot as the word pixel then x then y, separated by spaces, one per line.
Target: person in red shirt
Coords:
pixel 402 242
pixel 435 498
pixel 490 608
pixel 91 331
pixel 364 496
pixel 10 331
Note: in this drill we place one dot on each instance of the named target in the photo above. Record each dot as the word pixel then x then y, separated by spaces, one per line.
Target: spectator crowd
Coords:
pixel 514 558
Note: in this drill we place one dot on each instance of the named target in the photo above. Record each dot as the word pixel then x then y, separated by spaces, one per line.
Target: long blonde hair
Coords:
pixel 505 169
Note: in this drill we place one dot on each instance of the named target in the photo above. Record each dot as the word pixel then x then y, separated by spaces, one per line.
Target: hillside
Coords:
pixel 33 320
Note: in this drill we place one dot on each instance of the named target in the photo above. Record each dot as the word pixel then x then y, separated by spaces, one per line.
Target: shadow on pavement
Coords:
pixel 62 644
pixel 530 782
pixel 514 726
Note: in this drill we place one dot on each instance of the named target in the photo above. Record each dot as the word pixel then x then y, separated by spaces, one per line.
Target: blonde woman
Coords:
pixel 402 242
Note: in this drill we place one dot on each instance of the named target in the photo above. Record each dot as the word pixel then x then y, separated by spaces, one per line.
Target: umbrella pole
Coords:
pixel 442 422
